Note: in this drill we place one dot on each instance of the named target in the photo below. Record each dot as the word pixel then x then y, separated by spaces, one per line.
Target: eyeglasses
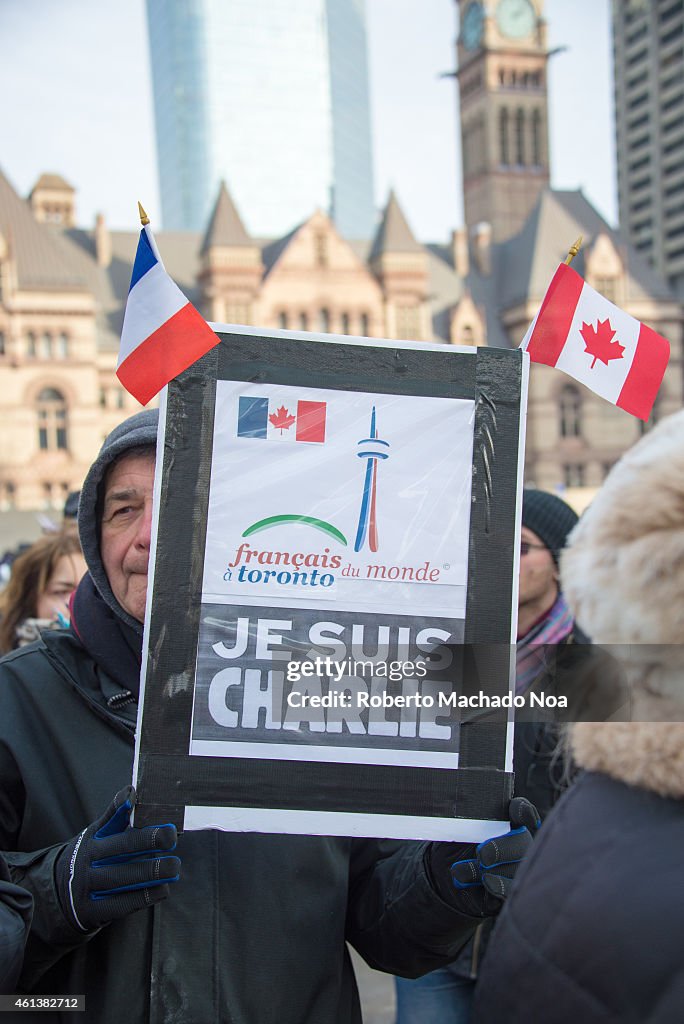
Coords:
pixel 526 547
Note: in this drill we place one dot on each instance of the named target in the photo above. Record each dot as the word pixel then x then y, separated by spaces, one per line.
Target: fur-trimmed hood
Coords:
pixel 645 754
pixel 623 577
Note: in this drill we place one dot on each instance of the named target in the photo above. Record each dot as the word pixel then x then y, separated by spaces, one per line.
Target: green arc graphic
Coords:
pixel 318 524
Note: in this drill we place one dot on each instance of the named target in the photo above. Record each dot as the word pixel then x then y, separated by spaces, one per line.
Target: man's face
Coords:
pixel 125 530
pixel 538 573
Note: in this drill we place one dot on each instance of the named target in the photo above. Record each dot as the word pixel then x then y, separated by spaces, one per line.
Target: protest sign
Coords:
pixel 334 520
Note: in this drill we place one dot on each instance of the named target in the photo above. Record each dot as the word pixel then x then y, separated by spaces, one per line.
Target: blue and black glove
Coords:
pixel 477 879
pixel 111 870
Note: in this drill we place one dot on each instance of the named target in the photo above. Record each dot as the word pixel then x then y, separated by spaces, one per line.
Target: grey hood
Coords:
pixel 134 432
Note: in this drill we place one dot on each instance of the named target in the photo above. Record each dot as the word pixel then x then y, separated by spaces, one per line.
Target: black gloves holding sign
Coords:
pixel 111 869
pixel 475 880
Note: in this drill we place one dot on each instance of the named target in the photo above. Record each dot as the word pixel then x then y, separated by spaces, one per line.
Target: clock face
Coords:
pixel 472 25
pixel 515 18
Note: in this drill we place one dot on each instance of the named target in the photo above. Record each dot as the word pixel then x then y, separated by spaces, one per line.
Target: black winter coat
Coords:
pixel 594 929
pixel 15 917
pixel 254 933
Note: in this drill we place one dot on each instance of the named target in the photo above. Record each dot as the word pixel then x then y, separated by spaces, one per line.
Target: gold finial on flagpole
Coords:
pixel 572 252
pixel 144 219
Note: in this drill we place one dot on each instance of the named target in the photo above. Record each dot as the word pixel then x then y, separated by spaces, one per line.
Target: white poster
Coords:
pixel 321 538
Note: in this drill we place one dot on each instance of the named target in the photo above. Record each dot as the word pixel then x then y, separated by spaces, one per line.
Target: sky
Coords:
pixel 75 81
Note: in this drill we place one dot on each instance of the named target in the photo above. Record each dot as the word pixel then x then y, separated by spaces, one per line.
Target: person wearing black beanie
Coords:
pixel 546 523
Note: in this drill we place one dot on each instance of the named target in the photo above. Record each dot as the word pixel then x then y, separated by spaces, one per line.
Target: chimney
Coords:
pixel 103 242
pixel 482 247
pixel 459 248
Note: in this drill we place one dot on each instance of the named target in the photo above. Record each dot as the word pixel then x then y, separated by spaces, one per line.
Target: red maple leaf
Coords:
pixel 598 342
pixel 281 419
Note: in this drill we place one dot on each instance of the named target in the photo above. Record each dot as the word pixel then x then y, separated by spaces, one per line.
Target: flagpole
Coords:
pixel 572 252
pixel 144 219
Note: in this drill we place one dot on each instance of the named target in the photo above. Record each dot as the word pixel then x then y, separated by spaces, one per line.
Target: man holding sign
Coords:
pixel 254 926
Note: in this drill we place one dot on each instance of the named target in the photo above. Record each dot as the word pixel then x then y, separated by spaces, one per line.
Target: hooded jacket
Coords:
pixel 595 927
pixel 255 930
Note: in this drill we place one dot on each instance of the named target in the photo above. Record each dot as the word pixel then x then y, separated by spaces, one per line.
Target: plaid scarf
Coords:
pixel 531 648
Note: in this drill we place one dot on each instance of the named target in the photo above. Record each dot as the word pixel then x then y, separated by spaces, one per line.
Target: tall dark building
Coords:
pixel 649 106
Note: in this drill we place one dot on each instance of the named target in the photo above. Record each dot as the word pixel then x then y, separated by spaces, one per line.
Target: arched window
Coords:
pixel 46 346
pixel 52 420
pixel 570 412
pixel 345 323
pixel 324 320
pixel 607 286
pixel 63 346
pixel 520 137
pixel 31 349
pixel 282 321
pixel 2 343
pixel 365 325
pixel 536 138
pixel 304 321
pixel 503 137
pixel 467 336
pixel 408 323
pixel 573 474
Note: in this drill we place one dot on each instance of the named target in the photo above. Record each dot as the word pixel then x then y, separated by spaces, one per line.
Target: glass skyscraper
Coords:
pixel 270 95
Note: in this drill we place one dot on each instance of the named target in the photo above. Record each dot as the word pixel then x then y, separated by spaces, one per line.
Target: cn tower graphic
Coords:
pixel 371 451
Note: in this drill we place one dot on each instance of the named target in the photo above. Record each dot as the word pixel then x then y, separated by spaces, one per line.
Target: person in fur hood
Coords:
pixel 594 929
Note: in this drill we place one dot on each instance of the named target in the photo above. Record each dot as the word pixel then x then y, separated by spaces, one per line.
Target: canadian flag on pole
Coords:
pixel 586 336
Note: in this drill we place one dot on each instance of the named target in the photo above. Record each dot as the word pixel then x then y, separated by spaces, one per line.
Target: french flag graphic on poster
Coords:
pixel 578 331
pixel 162 332
pixel 272 419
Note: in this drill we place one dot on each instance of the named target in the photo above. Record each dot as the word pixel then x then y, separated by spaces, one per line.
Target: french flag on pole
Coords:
pixel 592 340
pixel 162 332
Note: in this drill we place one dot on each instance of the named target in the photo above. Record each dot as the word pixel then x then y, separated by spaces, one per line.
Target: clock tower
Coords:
pixel 501 75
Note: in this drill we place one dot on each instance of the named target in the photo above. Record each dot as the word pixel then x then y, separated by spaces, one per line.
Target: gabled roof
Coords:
pixel 53 181
pixel 394 233
pixel 524 265
pixel 109 285
pixel 273 248
pixel 225 227
pixel 44 258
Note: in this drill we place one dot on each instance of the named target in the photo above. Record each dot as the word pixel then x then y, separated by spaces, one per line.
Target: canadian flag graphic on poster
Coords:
pixel 592 340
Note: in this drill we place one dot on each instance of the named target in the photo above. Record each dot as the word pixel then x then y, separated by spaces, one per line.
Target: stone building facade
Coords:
pixel 63 291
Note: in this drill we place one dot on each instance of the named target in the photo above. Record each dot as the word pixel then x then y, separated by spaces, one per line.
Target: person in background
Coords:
pixel 544 618
pixel 544 622
pixel 70 514
pixel 37 596
pixel 594 929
